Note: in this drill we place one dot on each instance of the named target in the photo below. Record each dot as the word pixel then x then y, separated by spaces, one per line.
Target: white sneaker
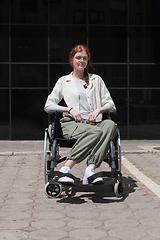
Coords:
pixel 65 179
pixel 89 172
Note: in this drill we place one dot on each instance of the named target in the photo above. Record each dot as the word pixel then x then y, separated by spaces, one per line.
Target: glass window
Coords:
pixel 144 75
pixel 144 114
pixel 108 12
pixel 113 75
pixel 29 12
pixel 79 17
pixel 108 44
pixel 29 75
pixel 28 117
pixel 144 12
pixel 29 44
pixel 4 11
pixel 4 114
pixel 4 43
pixel 120 117
pixel 67 12
pixel 96 17
pixel 4 75
pixel 57 71
pixel 144 44
pixel 63 39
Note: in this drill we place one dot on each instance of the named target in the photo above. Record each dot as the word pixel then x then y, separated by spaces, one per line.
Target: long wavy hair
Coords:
pixel 80 48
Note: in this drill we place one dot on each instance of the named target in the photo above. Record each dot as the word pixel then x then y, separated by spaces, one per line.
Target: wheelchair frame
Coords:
pixel 53 139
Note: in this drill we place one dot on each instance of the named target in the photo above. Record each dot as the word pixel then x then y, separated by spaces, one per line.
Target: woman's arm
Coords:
pixel 92 116
pixel 56 107
pixel 76 115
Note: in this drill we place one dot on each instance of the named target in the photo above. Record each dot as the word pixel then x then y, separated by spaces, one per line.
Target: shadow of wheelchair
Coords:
pixel 98 194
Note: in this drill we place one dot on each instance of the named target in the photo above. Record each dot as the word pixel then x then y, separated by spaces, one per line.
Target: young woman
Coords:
pixel 86 97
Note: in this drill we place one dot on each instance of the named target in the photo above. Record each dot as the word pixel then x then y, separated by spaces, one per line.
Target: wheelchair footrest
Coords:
pixel 53 182
pixel 58 174
pixel 103 174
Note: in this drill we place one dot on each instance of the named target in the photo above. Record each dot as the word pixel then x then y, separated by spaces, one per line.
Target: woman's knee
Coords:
pixel 109 125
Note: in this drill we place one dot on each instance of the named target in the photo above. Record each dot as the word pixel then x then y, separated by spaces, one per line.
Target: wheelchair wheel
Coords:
pixel 47 156
pixel 116 151
pixel 53 190
pixel 118 187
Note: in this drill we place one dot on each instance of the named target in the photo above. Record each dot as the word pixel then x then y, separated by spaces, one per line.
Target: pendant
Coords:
pixel 85 85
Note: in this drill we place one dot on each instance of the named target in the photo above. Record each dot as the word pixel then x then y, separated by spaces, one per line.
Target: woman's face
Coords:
pixel 80 61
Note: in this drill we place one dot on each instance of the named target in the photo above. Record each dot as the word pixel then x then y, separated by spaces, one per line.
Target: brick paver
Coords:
pixel 27 213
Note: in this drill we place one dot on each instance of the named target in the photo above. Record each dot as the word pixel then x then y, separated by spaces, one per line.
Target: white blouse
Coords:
pixel 84 108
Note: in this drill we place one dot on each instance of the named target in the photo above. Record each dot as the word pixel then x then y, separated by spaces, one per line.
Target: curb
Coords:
pixel 19 153
pixel 63 152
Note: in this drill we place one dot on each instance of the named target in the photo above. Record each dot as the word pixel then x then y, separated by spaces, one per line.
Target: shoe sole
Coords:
pixel 66 180
pixel 96 181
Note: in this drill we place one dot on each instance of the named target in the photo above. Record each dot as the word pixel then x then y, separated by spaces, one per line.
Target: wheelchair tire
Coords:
pixel 53 190
pixel 118 152
pixel 47 154
pixel 118 189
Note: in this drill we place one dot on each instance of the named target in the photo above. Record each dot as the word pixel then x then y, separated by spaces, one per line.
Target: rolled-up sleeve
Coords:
pixel 106 99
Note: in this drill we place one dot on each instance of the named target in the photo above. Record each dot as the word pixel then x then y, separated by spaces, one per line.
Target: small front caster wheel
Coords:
pixel 53 190
pixel 118 189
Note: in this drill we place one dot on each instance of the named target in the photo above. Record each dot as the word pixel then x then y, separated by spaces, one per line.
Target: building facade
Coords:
pixel 36 37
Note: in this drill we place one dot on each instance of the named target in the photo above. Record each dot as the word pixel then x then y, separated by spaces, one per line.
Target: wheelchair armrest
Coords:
pixel 107 115
pixel 55 117
pixel 53 122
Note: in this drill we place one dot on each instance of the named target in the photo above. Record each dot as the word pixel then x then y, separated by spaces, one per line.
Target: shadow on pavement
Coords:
pixel 98 194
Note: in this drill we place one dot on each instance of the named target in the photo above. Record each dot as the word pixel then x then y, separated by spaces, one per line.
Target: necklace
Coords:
pixel 81 79
pixel 85 85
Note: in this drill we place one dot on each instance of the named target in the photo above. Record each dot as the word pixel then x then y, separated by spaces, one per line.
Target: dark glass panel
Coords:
pixel 108 44
pixel 107 12
pixel 4 114
pixel 29 75
pixel 4 75
pixel 120 117
pixel 4 11
pixel 63 39
pixel 4 44
pixel 144 76
pixel 144 114
pixel 57 71
pixel 144 44
pixel 29 44
pixel 28 117
pixel 29 12
pixel 113 75
pixel 144 12
pixel 68 12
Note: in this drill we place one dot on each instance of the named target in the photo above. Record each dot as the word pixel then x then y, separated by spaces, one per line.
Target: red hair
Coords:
pixel 80 48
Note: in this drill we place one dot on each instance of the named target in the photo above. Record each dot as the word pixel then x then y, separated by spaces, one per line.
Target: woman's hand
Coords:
pixel 77 116
pixel 92 116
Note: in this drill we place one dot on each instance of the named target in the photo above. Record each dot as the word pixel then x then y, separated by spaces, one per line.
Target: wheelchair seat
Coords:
pixel 54 139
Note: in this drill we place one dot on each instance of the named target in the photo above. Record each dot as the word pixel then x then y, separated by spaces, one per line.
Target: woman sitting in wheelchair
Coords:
pixel 86 98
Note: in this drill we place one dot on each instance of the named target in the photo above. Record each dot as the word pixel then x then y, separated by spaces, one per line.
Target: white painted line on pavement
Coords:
pixel 154 187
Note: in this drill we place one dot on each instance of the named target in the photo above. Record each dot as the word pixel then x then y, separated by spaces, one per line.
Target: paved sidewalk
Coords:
pixel 36 147
pixel 21 147
pixel 27 213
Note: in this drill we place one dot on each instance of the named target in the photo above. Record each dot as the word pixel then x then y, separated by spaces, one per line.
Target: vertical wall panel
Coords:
pixel 35 41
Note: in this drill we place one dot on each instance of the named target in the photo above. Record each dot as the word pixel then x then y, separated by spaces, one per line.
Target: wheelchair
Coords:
pixel 53 140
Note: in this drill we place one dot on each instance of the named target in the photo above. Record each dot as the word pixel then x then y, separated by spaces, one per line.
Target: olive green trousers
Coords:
pixel 92 139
